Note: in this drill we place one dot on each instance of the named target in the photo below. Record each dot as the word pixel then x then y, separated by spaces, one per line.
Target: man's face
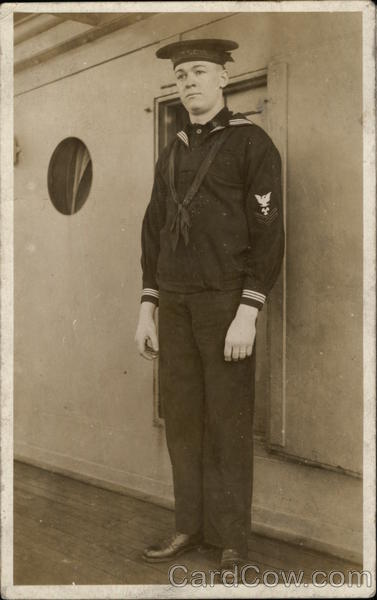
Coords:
pixel 200 85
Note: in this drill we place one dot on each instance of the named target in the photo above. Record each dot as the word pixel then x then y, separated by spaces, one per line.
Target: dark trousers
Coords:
pixel 208 409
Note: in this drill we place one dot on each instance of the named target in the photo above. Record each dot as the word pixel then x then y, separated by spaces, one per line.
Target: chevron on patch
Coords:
pixel 268 218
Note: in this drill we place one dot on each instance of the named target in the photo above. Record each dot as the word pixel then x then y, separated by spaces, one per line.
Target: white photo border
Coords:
pixel 8 589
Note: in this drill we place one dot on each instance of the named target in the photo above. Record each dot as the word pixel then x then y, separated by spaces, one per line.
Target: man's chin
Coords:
pixel 195 108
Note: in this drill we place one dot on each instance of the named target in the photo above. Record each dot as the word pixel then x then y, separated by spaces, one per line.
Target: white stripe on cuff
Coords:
pixel 254 296
pixel 150 292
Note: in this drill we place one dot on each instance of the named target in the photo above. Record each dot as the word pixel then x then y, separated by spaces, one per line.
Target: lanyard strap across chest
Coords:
pixel 181 222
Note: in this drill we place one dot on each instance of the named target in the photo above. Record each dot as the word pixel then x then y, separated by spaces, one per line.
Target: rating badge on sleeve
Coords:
pixel 264 202
pixel 265 215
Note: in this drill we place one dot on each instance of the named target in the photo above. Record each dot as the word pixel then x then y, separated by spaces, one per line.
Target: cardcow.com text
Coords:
pixel 252 576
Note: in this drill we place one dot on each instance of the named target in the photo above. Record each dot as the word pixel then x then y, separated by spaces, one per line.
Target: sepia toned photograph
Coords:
pixel 188 299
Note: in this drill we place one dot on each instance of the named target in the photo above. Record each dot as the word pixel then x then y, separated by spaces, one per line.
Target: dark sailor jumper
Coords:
pixel 236 236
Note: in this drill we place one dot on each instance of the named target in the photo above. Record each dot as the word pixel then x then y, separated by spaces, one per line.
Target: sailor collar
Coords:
pixel 223 119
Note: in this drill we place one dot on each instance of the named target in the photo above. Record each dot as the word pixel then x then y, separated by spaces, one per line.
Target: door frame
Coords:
pixel 277 115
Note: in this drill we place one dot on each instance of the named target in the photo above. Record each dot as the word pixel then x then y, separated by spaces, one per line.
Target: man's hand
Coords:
pixel 240 336
pixel 146 333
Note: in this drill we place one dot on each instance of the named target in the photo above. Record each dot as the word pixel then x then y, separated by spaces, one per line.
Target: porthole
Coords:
pixel 70 175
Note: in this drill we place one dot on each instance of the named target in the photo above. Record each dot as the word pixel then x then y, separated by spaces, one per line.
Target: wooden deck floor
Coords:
pixel 66 531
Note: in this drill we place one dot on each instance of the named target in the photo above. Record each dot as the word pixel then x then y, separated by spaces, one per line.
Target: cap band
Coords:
pixel 211 50
pixel 189 54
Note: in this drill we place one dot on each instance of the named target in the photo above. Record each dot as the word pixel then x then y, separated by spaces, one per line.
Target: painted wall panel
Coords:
pixel 78 278
pixel 324 256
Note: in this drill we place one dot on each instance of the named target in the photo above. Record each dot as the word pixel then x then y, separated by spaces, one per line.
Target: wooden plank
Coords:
pixel 68 530
pixel 84 492
pixel 34 26
pixel 93 19
pixel 114 535
pixel 79 40
pixel 93 545
pixel 20 17
pixel 161 521
pixel 157 514
pixel 105 544
pixel 292 555
pixel 117 569
pixel 109 538
pixel 98 507
pixel 48 565
pixel 128 536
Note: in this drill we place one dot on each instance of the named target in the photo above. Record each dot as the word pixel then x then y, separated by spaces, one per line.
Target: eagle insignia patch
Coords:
pixel 264 202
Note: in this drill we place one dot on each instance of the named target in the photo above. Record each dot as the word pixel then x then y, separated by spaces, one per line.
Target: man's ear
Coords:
pixel 224 78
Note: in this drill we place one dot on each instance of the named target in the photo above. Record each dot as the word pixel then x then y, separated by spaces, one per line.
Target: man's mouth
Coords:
pixel 193 94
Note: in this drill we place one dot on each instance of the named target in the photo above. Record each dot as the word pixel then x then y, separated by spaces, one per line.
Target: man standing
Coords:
pixel 212 246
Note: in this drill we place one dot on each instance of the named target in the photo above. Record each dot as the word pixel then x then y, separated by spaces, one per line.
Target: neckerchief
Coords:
pixel 182 222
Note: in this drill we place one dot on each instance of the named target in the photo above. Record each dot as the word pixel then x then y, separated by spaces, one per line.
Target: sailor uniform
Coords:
pixel 232 254
pixel 236 232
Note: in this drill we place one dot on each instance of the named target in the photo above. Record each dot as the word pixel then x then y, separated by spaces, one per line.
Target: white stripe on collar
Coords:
pixel 233 122
pixel 240 121
pixel 237 121
pixel 183 136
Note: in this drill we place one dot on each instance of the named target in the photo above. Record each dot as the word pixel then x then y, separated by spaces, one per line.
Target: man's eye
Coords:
pixel 199 72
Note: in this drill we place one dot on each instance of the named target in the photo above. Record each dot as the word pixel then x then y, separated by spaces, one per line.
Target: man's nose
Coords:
pixel 190 81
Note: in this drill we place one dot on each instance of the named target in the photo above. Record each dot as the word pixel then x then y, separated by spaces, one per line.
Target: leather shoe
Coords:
pixel 233 561
pixel 172 547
